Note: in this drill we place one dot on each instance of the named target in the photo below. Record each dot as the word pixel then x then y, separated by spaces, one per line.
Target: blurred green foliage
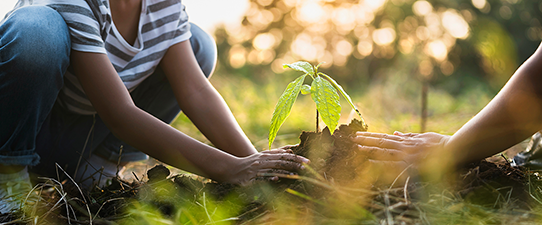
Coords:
pixel 381 51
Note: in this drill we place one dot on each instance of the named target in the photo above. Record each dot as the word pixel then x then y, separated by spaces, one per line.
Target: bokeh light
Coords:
pixel 422 8
pixel 384 36
pixel 455 24
pixel 480 4
pixel 264 41
pixel 363 34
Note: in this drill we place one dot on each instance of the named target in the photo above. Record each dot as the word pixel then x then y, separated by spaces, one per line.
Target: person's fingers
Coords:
pixel 285 157
pixel 379 135
pixel 264 178
pixel 280 164
pixel 265 172
pixel 380 141
pixel 288 147
pixel 377 153
pixel 277 151
pixel 270 174
pixel 397 133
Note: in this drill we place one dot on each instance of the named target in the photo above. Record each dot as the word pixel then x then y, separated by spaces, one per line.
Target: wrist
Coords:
pixel 440 159
pixel 224 170
pixel 455 153
pixel 242 151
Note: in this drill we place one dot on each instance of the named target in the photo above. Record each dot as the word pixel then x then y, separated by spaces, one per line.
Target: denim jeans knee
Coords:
pixel 35 46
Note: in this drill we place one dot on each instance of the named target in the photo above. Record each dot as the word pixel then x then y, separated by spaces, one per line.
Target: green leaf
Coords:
pixel 327 102
pixel 305 89
pixel 284 106
pixel 345 95
pixel 301 66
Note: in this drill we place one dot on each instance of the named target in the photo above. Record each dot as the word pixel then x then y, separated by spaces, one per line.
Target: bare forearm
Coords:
pixel 202 103
pixel 216 121
pixel 138 128
pixel 168 145
pixel 511 117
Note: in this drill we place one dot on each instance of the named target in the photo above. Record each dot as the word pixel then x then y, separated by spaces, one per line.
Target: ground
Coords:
pixel 332 191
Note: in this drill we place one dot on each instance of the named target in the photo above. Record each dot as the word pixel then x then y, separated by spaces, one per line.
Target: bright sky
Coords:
pixel 206 13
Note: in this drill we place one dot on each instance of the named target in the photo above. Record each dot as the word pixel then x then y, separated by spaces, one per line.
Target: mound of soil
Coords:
pixel 332 155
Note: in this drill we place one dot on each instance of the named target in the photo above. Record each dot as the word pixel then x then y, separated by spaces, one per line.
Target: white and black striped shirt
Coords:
pixel 162 24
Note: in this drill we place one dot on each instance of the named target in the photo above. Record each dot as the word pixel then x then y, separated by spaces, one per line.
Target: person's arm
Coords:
pixel 200 101
pixel 113 103
pixel 511 117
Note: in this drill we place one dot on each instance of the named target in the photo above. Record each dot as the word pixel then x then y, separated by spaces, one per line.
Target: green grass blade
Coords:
pixel 327 102
pixel 345 95
pixel 303 196
pixel 301 66
pixel 284 106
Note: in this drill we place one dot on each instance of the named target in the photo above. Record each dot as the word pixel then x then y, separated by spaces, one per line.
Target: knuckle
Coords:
pixel 381 142
pixel 392 153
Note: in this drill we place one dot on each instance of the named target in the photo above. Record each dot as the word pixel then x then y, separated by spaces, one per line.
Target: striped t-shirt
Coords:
pixel 162 24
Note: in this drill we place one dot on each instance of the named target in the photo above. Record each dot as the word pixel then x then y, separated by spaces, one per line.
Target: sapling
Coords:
pixel 323 91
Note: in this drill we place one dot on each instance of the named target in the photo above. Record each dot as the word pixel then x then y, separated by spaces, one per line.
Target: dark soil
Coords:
pixel 332 155
pixel 485 183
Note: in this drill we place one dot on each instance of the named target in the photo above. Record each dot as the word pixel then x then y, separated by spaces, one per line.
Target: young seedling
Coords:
pixel 323 91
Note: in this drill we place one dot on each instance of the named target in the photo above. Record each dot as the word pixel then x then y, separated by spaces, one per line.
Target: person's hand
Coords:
pixel 394 155
pixel 255 167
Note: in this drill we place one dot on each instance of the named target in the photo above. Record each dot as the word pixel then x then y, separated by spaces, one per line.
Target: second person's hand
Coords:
pixel 388 157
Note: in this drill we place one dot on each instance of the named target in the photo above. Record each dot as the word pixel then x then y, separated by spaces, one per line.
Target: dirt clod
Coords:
pixel 158 173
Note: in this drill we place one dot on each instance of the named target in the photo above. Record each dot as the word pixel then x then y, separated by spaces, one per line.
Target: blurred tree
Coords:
pixel 446 44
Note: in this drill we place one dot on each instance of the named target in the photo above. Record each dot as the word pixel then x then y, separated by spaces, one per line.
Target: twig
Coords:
pixel 397 178
pixel 118 162
pixel 405 190
pixel 388 213
pixel 108 201
pixel 62 193
pixel 504 157
pixel 136 176
pixel 80 191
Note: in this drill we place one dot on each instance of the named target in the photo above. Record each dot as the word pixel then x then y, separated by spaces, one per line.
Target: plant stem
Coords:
pixel 317 122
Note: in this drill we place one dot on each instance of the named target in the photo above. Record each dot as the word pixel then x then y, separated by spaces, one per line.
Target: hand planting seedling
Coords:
pixel 323 91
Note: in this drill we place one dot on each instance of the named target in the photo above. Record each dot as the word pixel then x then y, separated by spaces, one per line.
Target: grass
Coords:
pixel 197 202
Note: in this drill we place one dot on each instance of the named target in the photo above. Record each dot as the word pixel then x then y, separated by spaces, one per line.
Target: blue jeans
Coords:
pixel 53 133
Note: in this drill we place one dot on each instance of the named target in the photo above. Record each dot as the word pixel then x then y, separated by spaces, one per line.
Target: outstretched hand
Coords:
pixel 256 166
pixel 394 155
